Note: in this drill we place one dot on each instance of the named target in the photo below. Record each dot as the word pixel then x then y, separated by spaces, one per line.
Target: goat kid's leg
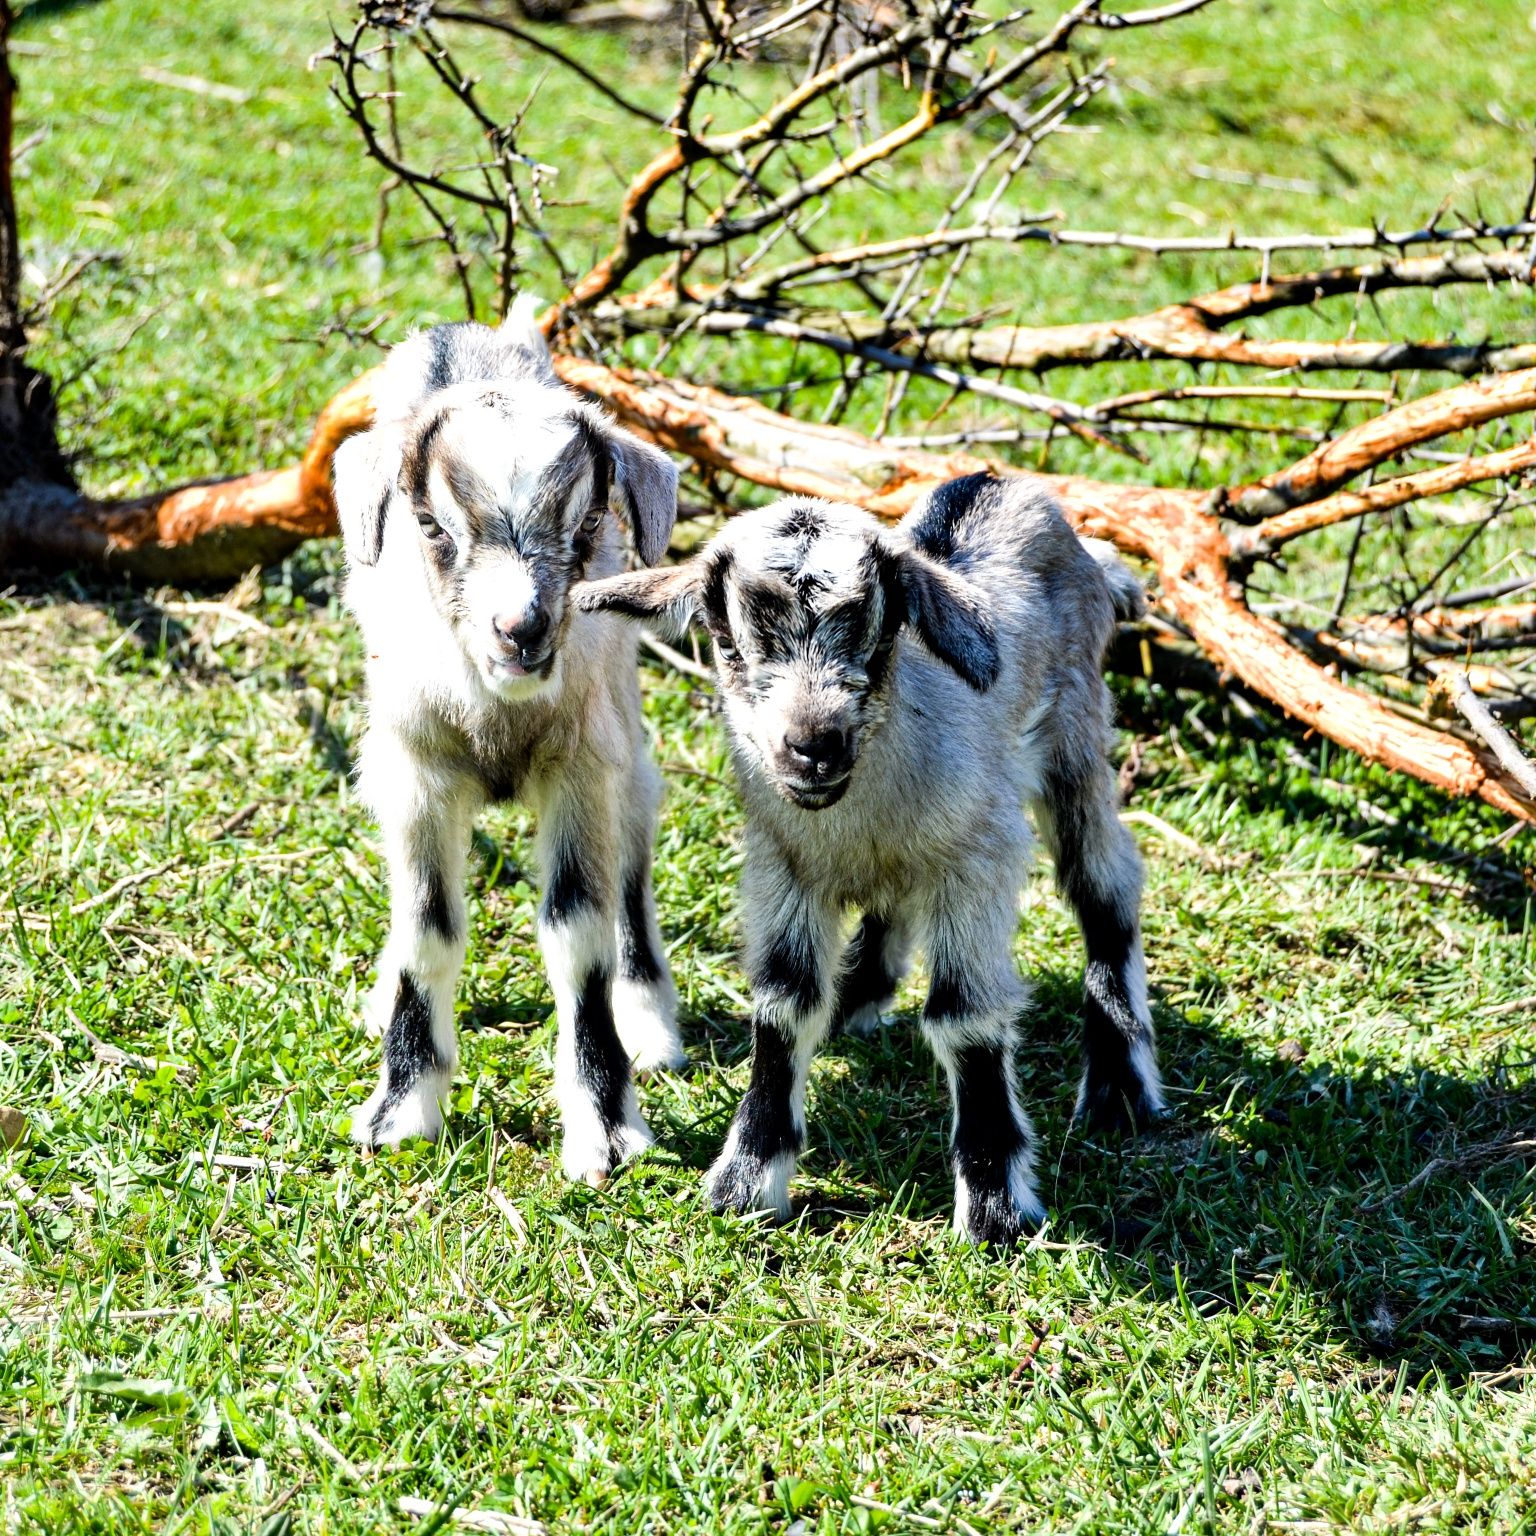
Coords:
pixel 791 950
pixel 971 1023
pixel 579 854
pixel 644 999
pixel 1099 872
pixel 871 971
pixel 426 824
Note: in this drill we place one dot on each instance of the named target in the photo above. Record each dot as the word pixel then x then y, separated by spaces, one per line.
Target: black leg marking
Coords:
pixel 1102 882
pixel 987 1139
pixel 409 1052
pixel 437 914
pixel 1114 1097
pixel 764 1127
pixel 765 1122
pixel 789 971
pixel 602 1064
pixel 570 886
pixel 637 960
pixel 949 997
pixel 866 980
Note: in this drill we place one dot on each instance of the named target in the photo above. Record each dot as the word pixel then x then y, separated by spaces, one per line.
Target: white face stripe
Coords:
pixel 509 458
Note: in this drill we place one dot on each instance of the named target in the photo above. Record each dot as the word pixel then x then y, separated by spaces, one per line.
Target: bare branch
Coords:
pixel 1477 714
pixel 1269 535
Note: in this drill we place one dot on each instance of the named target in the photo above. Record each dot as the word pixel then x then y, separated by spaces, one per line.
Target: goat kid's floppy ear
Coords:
pixel 667 594
pixel 950 619
pixel 644 490
pixel 366 468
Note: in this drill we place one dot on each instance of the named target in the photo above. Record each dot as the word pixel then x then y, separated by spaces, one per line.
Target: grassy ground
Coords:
pixel 216 1316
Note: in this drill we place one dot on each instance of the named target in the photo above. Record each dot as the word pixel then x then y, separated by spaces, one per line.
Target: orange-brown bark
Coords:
pixel 215 531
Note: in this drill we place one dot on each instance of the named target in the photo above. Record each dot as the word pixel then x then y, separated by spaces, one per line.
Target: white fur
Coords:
pixel 646 1016
pixel 451 715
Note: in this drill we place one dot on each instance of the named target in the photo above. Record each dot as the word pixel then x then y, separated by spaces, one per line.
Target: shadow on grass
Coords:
pixel 1269 1164
pixel 1488 877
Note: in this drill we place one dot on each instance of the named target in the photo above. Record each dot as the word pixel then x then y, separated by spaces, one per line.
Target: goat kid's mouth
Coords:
pixel 816 795
pixel 510 668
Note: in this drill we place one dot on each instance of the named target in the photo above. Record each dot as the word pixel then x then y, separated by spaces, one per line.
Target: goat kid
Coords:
pixel 893 700
pixel 483 491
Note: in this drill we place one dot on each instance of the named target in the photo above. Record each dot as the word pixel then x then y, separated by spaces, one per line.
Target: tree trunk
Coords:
pixel 29 445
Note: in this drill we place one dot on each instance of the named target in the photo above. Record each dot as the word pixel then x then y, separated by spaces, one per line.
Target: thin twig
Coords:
pixel 1503 746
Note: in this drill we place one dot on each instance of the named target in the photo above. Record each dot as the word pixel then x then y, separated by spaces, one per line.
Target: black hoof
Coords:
pixel 745 1186
pixel 992 1218
pixel 1113 1107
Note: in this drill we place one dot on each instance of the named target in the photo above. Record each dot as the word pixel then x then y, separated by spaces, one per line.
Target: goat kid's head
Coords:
pixel 501 488
pixel 803 601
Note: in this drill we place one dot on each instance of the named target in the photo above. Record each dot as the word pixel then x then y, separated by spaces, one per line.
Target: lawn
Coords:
pixel 1309 1304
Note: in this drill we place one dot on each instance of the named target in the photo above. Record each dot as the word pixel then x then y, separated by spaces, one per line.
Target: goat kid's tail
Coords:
pixel 1125 592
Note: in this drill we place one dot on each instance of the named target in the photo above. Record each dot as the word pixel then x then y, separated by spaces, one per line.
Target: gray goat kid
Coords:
pixel 483 491
pixel 893 701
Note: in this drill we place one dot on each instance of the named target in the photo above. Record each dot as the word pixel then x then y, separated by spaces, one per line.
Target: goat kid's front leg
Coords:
pixel 871 971
pixel 1099 872
pixel 579 854
pixel 644 999
pixel 425 819
pixel 791 951
pixel 971 1023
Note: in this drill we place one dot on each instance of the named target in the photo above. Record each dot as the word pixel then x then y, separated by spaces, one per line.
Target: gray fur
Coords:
pixel 938 677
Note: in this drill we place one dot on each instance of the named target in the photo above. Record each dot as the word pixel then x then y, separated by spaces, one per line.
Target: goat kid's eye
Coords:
pixel 586 534
pixel 438 537
pixel 725 649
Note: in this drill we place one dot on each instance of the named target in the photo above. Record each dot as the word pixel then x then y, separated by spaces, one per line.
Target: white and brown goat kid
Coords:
pixel 482 492
pixel 894 699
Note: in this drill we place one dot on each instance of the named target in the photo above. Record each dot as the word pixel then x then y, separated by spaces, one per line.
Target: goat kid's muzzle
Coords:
pixel 813 771
pixel 523 647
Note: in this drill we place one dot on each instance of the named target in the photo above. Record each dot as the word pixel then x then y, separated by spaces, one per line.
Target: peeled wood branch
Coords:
pixel 1384 437
pixel 1265 537
pixel 1189 332
pixel 214 531
pixel 1467 626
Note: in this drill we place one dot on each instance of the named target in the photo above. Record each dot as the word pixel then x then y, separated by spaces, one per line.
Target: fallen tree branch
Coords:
pixel 1472 709
pixel 209 532
pixel 1265 537
pixel 182 536
pixel 1385 437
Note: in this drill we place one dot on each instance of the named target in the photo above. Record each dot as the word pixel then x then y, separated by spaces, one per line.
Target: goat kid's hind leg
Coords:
pixel 426 824
pixel 971 1023
pixel 1099 872
pixel 579 854
pixel 791 952
pixel 871 971
pixel 644 999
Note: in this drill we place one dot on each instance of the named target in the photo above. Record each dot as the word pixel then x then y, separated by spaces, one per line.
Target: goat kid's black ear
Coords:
pixel 950 619
pixel 644 490
pixel 366 468
pixel 666 594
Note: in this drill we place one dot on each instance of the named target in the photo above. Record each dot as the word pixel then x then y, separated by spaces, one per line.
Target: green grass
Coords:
pixel 216 1316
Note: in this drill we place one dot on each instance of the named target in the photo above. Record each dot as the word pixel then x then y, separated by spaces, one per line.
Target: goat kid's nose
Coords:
pixel 826 754
pixel 523 630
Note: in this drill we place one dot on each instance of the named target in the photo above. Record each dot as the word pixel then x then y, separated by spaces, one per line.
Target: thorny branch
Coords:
pixel 748 216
